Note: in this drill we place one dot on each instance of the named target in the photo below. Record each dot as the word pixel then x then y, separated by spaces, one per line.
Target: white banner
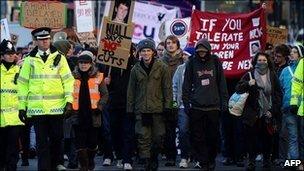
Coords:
pixel 84 14
pixel 179 27
pixel 5 34
pixel 148 19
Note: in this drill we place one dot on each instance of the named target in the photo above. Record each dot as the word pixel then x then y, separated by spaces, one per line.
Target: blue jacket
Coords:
pixel 177 81
pixel 285 82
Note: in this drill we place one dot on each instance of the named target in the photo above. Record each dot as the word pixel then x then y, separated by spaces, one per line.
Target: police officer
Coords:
pixel 45 89
pixel 10 124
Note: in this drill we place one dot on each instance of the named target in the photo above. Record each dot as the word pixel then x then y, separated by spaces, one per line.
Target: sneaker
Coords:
pixel 197 165
pixel 259 158
pixel 65 157
pixel 60 167
pixel 183 163
pixel 127 166
pixel 107 162
pixel 119 164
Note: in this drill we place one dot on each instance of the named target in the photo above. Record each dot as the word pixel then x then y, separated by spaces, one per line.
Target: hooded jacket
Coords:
pixel 204 85
pixel 285 82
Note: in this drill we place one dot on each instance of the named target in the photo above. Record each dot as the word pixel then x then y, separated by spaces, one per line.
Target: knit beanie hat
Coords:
pixel 146 43
pixel 300 49
pixel 189 51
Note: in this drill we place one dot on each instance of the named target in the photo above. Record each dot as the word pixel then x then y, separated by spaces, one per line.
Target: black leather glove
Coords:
pixel 22 116
pixel 293 109
pixel 68 107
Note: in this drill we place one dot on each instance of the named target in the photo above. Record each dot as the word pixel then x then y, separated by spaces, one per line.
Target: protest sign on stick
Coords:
pixel 276 35
pixel 115 43
pixel 5 33
pixel 43 14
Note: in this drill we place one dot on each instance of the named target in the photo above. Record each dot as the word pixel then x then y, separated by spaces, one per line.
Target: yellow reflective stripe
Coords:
pixel 50 97
pixel 67 76
pixel 9 91
pixel 35 76
pixel 12 109
pixel 22 79
pixel 22 97
pixel 68 94
pixel 34 111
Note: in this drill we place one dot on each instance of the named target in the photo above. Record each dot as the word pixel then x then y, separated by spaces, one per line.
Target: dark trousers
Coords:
pixel 86 137
pixel 9 147
pixel 258 135
pixel 123 134
pixel 49 136
pixel 204 131
pixel 170 137
pixel 25 140
pixel 106 134
pixel 234 140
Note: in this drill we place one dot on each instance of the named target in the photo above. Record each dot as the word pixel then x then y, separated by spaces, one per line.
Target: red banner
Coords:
pixel 234 38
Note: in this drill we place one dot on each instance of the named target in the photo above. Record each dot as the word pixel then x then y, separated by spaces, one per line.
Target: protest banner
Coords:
pixel 43 14
pixel 84 14
pixel 276 35
pixel 153 16
pixel 5 33
pixel 234 38
pixel 178 27
pixel 115 43
pixel 88 38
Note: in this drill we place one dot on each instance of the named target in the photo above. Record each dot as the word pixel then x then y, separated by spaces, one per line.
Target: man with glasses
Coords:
pixel 204 96
pixel 45 87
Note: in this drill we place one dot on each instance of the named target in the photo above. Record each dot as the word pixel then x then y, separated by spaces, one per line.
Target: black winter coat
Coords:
pixel 251 109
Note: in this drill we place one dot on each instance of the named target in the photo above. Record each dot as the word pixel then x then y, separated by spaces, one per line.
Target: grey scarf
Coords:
pixel 264 100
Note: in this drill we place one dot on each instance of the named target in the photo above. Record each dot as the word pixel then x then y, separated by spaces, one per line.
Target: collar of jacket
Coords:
pixel 35 51
pixel 156 66
pixel 92 72
pixel 173 59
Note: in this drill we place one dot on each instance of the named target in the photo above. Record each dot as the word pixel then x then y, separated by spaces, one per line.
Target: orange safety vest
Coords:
pixel 93 89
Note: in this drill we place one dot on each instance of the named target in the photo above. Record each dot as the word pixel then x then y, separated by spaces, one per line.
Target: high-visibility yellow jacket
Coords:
pixel 297 88
pixel 44 89
pixel 9 97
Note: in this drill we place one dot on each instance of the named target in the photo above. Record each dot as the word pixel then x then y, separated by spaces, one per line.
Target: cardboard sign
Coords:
pixel 84 13
pixel 276 35
pixel 5 33
pixel 115 43
pixel 43 14
pixel 234 38
pixel 88 38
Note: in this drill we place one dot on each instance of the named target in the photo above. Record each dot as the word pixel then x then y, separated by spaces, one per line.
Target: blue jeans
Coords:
pixel 184 134
pixel 291 125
